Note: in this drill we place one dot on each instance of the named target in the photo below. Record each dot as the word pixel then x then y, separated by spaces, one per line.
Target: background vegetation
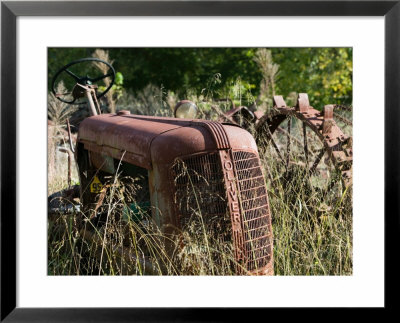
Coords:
pixel 324 73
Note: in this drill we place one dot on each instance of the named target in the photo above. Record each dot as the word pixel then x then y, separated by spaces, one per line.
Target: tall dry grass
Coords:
pixel 312 233
pixel 57 137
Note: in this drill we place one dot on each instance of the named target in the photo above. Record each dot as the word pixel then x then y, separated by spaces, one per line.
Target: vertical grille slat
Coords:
pixel 255 212
pixel 200 189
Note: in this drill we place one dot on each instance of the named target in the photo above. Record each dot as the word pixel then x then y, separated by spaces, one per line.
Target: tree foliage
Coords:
pixel 324 73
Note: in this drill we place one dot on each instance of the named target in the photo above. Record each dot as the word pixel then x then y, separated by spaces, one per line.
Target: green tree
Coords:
pixel 324 73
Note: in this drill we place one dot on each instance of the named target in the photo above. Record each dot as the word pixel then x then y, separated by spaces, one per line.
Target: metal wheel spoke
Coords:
pixel 62 94
pixel 305 142
pixel 72 74
pixel 288 143
pixel 306 154
pixel 100 77
pixel 277 150
pixel 317 160
pixel 330 186
pixel 292 138
pixel 343 119
pixel 274 143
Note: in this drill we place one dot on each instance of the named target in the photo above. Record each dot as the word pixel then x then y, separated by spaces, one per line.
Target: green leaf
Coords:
pixel 119 78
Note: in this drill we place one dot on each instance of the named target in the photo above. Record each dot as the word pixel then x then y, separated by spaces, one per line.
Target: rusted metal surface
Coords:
pixel 217 132
pixel 71 144
pixel 336 144
pixel 238 139
pixel 62 135
pixel 213 183
pixel 213 150
pixel 288 139
pixel 123 113
pixel 252 199
pixel 111 134
pixel 229 114
pixel 70 156
pixel 302 103
pixel 235 207
pixel 242 116
pixel 328 120
pixel 279 102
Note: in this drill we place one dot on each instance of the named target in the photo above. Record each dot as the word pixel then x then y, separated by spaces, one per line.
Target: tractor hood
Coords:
pixel 133 137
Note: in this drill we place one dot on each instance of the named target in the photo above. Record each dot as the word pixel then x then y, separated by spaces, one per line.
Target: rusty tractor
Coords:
pixel 181 158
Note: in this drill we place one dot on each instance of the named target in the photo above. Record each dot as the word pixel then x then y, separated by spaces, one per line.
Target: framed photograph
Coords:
pixel 182 160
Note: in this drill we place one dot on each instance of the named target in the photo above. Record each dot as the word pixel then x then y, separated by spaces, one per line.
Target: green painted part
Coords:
pixel 136 211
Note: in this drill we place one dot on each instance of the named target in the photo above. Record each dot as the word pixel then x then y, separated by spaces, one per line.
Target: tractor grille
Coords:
pixel 255 210
pixel 200 190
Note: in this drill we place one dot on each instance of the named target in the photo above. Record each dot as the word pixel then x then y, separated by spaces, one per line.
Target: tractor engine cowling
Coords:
pixel 195 168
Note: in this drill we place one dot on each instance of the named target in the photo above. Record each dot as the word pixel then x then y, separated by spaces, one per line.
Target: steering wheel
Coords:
pixel 83 80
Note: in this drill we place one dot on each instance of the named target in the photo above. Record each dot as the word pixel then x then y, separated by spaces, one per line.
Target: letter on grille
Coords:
pixel 256 220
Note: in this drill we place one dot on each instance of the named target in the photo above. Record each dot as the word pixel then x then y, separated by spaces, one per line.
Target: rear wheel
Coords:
pixel 307 145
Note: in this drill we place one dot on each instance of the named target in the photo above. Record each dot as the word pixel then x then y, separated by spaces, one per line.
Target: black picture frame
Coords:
pixel 10 10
